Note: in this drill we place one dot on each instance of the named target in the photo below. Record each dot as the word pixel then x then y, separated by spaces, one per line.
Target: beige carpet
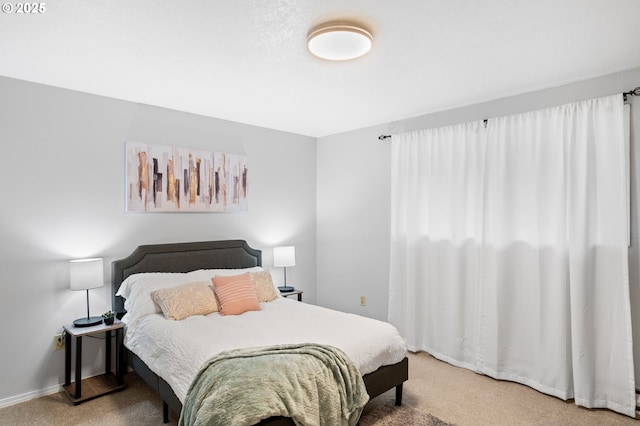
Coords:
pixel 460 396
pixel 138 405
pixel 437 389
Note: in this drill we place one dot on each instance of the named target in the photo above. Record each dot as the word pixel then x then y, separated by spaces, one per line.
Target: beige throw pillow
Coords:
pixel 178 303
pixel 263 285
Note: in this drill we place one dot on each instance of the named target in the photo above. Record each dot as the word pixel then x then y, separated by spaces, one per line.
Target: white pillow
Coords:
pixel 145 279
pixel 207 274
pixel 137 289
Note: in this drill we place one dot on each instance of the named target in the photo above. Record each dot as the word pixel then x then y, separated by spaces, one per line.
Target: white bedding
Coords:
pixel 175 350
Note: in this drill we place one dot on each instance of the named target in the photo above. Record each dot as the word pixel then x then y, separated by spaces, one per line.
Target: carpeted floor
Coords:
pixel 138 405
pixel 135 405
pixel 437 389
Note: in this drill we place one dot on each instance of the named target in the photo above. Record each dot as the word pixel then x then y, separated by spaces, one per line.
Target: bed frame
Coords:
pixel 227 254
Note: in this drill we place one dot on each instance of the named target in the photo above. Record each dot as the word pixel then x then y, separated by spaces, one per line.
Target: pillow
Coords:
pixel 235 294
pixel 134 281
pixel 207 274
pixel 263 286
pixel 178 303
pixel 137 288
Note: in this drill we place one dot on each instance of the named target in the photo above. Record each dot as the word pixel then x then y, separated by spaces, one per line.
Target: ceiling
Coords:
pixel 246 60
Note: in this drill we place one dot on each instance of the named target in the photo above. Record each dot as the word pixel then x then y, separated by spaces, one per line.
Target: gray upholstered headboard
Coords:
pixel 181 257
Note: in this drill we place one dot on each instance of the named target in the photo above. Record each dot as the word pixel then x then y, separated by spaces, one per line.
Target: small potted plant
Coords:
pixel 108 317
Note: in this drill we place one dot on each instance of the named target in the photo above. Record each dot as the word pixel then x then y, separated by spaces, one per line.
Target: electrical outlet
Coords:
pixel 58 342
pixel 363 300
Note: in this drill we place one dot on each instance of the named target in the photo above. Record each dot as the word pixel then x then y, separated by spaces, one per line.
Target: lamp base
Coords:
pixel 87 322
pixel 286 289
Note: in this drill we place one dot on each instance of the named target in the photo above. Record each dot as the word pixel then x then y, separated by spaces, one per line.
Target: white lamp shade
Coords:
pixel 284 256
pixel 86 273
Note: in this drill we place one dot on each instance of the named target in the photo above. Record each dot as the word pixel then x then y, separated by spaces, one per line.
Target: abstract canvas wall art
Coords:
pixel 162 178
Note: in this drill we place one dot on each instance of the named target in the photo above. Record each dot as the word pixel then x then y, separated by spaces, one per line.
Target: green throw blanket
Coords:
pixel 312 384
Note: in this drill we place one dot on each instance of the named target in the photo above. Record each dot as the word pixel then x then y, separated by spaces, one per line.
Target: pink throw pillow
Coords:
pixel 235 294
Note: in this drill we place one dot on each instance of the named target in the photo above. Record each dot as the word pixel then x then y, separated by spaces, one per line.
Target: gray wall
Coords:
pixel 62 180
pixel 354 204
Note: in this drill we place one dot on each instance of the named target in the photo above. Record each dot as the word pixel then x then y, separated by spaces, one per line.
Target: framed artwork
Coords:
pixel 162 178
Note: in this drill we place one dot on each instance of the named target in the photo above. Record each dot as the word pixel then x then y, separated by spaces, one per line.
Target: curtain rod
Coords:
pixel 634 92
pixel 383 137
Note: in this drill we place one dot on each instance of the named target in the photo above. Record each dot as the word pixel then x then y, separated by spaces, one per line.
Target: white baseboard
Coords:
pixel 16 399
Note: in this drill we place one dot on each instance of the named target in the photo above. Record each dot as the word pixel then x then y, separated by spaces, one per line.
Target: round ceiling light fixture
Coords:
pixel 337 41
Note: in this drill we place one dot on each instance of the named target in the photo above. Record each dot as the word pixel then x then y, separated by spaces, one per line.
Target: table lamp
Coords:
pixel 85 274
pixel 284 256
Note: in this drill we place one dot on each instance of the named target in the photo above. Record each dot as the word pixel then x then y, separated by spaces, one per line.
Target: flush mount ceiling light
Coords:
pixel 336 41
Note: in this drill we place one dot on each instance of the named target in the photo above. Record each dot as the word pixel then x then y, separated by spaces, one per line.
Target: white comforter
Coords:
pixel 175 350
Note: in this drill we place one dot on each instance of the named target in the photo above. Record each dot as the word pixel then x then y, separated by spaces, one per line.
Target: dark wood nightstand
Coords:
pixel 293 293
pixel 83 390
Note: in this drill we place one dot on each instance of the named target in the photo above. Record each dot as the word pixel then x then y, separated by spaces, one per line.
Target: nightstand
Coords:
pixel 293 293
pixel 93 387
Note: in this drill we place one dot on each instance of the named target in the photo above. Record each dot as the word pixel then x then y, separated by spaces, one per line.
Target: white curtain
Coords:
pixel 509 249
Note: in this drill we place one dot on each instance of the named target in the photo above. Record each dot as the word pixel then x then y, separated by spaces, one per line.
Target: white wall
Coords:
pixel 353 222
pixel 62 191
pixel 62 180
pixel 354 203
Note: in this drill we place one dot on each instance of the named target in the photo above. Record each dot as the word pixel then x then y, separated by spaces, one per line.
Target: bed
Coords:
pixel 208 255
